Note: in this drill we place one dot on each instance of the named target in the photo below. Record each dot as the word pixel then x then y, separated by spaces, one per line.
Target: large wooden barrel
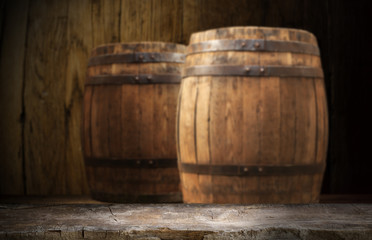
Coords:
pixel 252 117
pixel 130 103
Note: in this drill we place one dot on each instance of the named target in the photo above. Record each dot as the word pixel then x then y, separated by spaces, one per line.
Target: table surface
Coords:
pixel 94 220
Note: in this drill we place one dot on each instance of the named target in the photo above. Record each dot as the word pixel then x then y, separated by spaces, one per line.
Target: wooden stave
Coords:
pixel 194 60
pixel 140 192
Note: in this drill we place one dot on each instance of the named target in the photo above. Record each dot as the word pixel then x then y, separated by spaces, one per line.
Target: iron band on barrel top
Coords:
pixel 137 57
pixel 256 45
pixel 251 170
pixel 256 71
pixel 133 79
pixel 132 163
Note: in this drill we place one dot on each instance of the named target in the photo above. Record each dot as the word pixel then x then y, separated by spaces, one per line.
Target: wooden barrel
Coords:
pixel 130 103
pixel 252 117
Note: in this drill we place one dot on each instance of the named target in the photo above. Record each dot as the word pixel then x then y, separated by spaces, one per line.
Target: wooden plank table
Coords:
pixel 72 220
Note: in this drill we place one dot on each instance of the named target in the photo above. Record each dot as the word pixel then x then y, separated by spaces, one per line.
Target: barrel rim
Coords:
pixel 257 27
pixel 252 45
pixel 136 43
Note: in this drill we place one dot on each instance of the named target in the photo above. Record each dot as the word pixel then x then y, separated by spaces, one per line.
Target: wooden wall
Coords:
pixel 45 46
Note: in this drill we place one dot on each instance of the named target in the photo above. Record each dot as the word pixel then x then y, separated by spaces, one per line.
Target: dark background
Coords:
pixel 45 46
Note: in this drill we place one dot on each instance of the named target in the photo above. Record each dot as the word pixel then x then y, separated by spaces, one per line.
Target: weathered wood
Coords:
pixel 128 127
pixel 104 22
pixel 80 43
pixel 45 115
pixel 53 91
pixel 13 42
pixel 257 222
pixel 151 20
pixel 343 59
pixel 236 122
pixel 203 15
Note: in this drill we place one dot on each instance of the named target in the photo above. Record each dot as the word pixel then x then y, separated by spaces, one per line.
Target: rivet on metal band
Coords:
pixel 132 163
pixel 260 45
pixel 243 70
pixel 138 57
pixel 133 79
pixel 250 170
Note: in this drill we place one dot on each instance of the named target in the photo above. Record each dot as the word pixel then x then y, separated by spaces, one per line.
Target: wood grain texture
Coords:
pixel 246 120
pixel 79 48
pixel 176 221
pixel 203 15
pixel 45 127
pixel 54 60
pixel 132 122
pixel 104 22
pixel 151 20
pixel 338 25
pixel 13 35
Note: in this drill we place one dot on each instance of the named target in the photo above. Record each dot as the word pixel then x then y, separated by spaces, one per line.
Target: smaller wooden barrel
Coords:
pixel 129 116
pixel 252 117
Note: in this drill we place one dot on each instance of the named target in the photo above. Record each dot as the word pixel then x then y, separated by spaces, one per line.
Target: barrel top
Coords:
pixel 254 32
pixel 143 46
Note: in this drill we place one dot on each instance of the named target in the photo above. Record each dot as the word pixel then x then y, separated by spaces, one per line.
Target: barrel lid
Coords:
pixel 254 32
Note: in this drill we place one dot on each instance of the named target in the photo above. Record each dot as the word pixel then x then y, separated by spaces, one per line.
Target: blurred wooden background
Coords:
pixel 45 45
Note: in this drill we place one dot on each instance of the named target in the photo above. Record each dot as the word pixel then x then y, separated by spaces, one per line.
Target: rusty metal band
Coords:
pixel 256 45
pixel 145 57
pixel 174 197
pixel 254 71
pixel 133 79
pixel 248 171
pixel 132 163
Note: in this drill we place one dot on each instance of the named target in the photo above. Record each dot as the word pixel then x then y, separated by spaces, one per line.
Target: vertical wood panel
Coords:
pixel 55 74
pixel 80 43
pixel 61 34
pixel 87 133
pixel 105 21
pixel 13 35
pixel 208 14
pixel 151 20
pixel 45 71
